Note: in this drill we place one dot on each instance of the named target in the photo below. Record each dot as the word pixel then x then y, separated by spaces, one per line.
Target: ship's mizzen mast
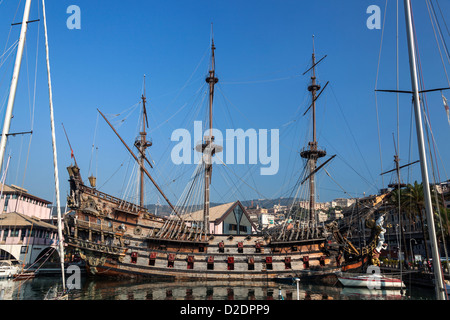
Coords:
pixel 312 153
pixel 141 165
pixel 142 144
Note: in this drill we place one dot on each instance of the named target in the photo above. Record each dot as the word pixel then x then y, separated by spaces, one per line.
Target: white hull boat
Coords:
pixel 371 281
pixel 7 269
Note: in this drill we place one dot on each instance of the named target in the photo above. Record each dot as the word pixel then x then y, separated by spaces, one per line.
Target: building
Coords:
pixel 277 208
pixel 228 218
pixel 335 214
pixel 25 239
pixel 16 199
pixel 266 220
pixel 443 188
pixel 26 235
pixel 342 202
pixel 317 205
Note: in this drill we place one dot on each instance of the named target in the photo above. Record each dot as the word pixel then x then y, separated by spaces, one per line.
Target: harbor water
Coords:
pixel 109 289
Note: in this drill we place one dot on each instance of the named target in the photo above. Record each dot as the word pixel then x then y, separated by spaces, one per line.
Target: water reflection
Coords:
pixel 107 289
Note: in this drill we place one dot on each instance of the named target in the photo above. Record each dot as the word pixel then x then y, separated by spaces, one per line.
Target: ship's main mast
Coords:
pixel 208 149
pixel 312 153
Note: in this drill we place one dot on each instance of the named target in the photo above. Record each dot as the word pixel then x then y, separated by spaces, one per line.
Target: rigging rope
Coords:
pixel 93 144
pixel 376 87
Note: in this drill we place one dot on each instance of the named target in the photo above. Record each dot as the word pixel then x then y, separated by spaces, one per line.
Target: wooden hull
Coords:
pixel 24 276
pixel 119 239
pixel 183 261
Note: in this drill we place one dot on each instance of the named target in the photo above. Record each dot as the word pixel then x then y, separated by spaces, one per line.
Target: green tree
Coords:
pixel 396 198
pixel 414 203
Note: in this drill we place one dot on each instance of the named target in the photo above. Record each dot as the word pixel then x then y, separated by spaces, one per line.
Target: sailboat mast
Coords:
pixel 439 285
pixel 15 78
pixel 55 158
pixel 209 149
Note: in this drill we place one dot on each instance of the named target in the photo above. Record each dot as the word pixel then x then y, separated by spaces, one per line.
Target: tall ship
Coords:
pixel 118 238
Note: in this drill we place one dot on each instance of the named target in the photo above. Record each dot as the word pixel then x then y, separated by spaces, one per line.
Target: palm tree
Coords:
pixel 441 223
pixel 396 199
pixel 414 201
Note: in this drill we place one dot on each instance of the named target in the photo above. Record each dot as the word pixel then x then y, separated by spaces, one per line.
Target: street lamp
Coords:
pixel 410 246
pixel 298 289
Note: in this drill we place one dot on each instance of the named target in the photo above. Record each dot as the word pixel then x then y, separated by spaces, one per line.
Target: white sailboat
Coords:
pixel 438 276
pixel 372 281
pixel 60 295
pixel 8 269
pixel 380 281
pixel 8 117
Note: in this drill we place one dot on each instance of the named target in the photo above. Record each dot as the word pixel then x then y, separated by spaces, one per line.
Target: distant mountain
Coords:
pixel 164 210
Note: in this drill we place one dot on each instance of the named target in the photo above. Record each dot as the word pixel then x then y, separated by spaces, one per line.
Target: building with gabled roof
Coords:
pixel 227 218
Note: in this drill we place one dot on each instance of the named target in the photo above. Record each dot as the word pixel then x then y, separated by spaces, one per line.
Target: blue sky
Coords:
pixel 262 50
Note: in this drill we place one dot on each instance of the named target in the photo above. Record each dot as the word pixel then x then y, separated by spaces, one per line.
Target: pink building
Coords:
pixel 24 235
pixel 16 199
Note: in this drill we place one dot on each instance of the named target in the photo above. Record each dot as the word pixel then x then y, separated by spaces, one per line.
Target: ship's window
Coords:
pixel 240 247
pixel 251 263
pixel 170 261
pixel 269 263
pixel 152 259
pixel 230 263
pixel 306 262
pixel 287 263
pixel 322 261
pixel 134 256
pixel 190 262
pixel 210 265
